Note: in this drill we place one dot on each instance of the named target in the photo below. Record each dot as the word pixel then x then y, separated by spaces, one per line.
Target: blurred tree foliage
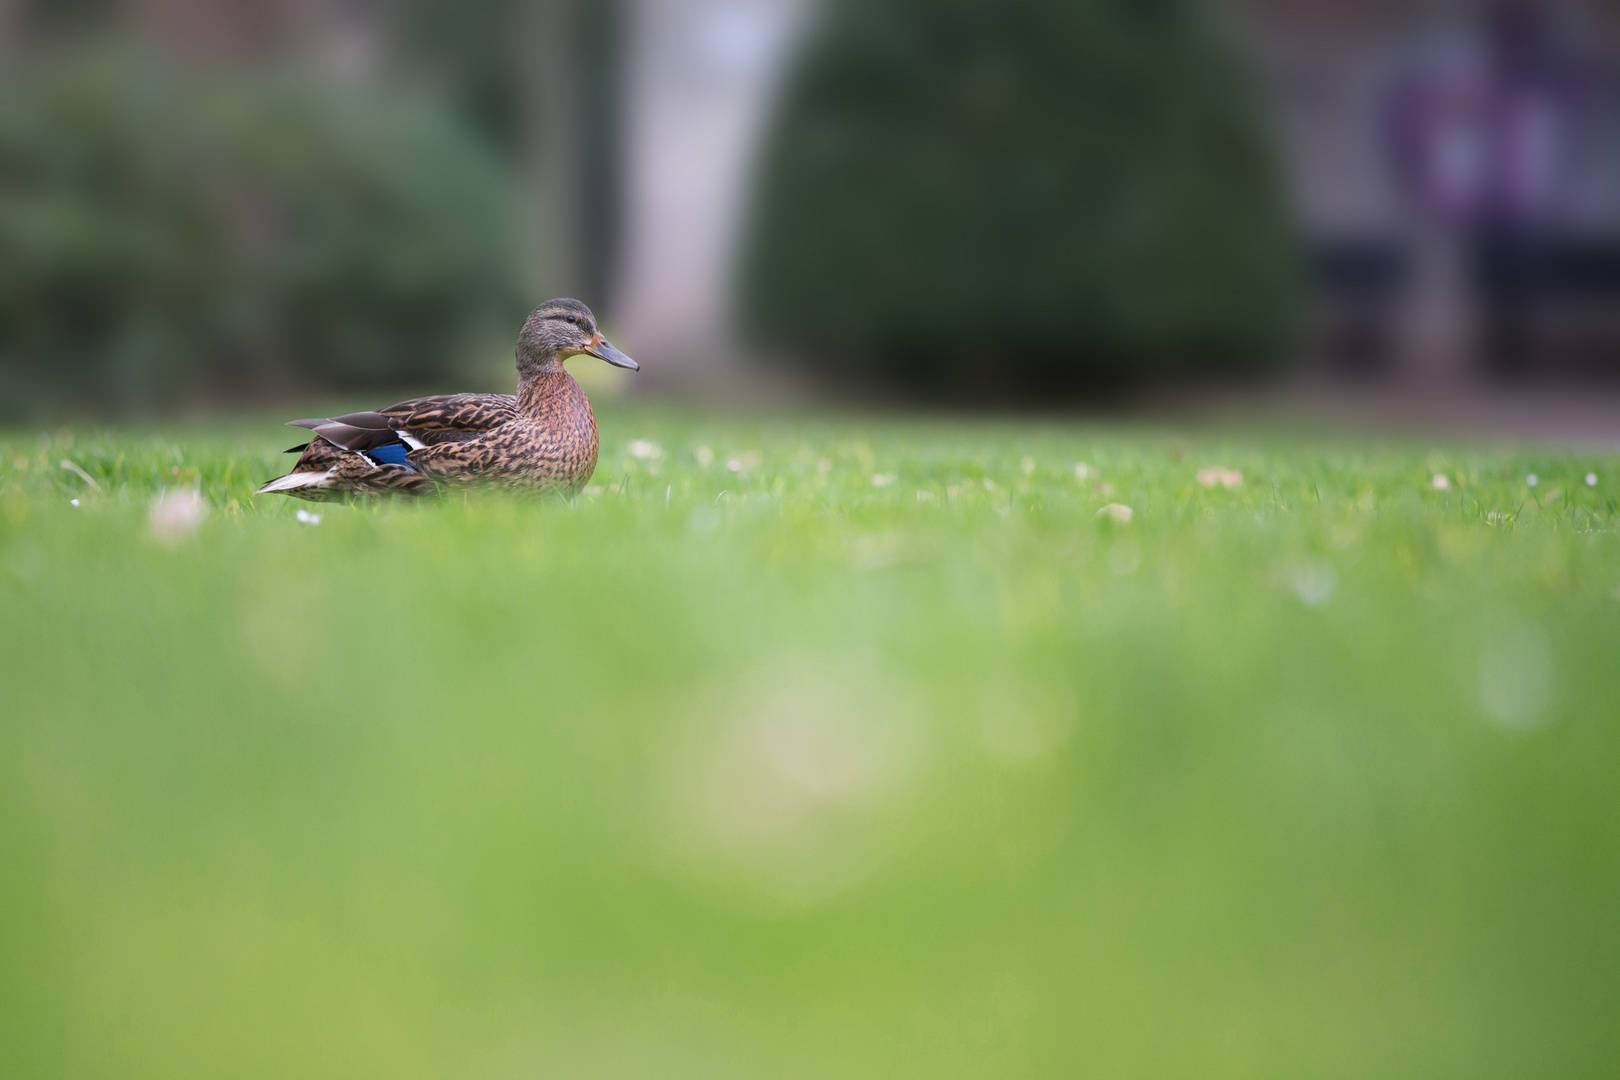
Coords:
pixel 961 192
pixel 165 235
pixel 473 48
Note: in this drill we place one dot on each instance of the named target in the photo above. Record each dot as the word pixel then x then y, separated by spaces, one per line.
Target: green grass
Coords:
pixel 787 772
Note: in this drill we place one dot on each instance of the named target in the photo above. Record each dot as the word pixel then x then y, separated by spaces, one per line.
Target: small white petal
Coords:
pixel 1517 677
pixel 1532 479
pixel 1117 512
pixel 1313 583
pixel 308 518
pixel 1441 482
pixel 1227 478
pixel 176 515
pixel 1591 479
pixel 1123 557
pixel 73 502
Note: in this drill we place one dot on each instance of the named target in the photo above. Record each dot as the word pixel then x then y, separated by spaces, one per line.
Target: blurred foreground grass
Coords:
pixel 811 748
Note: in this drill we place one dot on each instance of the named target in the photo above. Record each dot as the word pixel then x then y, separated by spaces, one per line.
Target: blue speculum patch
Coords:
pixel 392 454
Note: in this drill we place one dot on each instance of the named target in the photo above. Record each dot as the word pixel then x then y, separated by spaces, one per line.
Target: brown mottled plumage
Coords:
pixel 544 437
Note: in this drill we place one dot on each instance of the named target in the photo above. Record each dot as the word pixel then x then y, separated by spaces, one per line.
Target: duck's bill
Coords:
pixel 602 350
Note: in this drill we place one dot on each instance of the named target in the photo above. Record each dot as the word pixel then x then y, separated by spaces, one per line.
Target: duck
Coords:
pixel 542 437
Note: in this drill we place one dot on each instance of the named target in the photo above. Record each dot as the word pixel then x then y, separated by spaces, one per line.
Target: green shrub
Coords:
pixel 163 236
pixel 957 191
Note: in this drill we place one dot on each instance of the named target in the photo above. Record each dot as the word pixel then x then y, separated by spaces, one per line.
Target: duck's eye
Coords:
pixel 571 319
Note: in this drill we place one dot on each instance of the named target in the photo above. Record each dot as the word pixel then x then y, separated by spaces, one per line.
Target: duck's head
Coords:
pixel 561 328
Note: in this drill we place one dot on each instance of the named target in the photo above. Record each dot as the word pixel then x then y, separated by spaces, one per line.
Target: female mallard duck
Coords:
pixel 543 437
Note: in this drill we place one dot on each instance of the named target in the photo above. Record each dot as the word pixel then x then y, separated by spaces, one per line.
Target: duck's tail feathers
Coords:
pixel 299 482
pixel 378 464
pixel 318 484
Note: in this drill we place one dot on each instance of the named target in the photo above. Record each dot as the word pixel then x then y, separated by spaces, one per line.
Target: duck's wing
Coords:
pixel 448 417
pixel 428 420
pixel 367 452
pixel 361 431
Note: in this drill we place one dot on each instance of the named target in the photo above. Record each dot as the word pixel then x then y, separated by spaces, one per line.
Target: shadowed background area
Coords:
pixel 927 199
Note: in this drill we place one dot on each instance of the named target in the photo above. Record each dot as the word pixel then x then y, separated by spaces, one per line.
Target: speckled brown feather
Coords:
pixel 452 412
pixel 549 441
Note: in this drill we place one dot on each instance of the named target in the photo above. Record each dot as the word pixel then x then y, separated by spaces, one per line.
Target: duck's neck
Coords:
pixel 548 393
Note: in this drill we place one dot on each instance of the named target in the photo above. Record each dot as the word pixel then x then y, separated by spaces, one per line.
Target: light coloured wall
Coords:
pixel 701 78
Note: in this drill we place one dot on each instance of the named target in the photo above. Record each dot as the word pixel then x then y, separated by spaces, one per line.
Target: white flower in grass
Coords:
pixel 1532 479
pixel 308 518
pixel 1313 583
pixel 704 456
pixel 796 789
pixel 176 515
pixel 1441 482
pixel 1081 470
pixel 882 480
pixel 1516 677
pixel 1591 479
pixel 643 450
pixel 1117 512
pixel 1123 558
pixel 1227 478
pixel 73 502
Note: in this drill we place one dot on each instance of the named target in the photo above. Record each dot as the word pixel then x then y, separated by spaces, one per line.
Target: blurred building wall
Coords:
pixel 8 25
pixel 344 35
pixel 1399 293
pixel 699 76
pixel 1408 290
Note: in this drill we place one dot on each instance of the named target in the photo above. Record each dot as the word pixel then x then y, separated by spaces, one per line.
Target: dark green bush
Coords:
pixel 164 236
pixel 968 191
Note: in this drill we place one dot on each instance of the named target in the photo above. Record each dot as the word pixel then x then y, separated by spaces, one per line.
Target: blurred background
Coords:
pixel 207 200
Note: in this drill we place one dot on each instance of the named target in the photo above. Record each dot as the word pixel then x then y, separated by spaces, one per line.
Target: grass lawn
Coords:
pixel 805 747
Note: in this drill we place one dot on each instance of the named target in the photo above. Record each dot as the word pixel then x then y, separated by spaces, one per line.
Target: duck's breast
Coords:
pixel 559 433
